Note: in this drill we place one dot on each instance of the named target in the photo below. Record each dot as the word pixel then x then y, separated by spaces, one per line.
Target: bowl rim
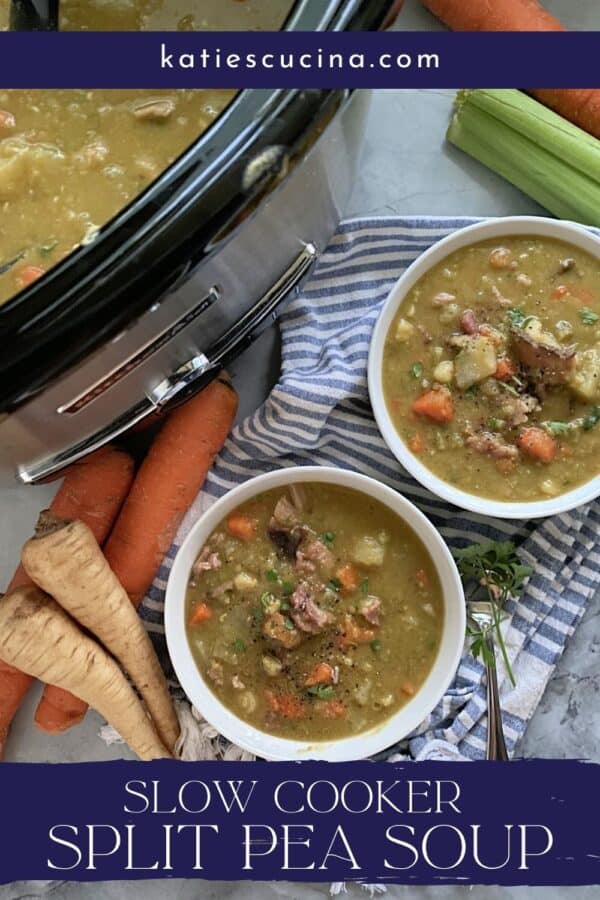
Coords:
pixel 358 746
pixel 504 226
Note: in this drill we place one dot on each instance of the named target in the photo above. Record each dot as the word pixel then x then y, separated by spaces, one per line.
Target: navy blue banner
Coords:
pixel 521 823
pixel 299 59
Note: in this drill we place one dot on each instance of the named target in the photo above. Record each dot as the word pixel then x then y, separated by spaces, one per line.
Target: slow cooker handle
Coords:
pixel 188 378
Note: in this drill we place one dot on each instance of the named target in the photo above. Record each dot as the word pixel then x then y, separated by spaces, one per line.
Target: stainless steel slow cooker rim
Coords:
pixel 83 404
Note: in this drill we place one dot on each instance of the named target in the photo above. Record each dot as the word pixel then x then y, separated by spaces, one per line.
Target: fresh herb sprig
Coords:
pixel 322 691
pixel 496 567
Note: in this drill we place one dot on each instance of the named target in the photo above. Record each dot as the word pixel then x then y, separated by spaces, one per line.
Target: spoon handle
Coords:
pixel 496 746
pixel 34 15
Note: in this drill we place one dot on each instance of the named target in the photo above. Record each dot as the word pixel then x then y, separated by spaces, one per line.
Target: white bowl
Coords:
pixel 472 234
pixel 358 746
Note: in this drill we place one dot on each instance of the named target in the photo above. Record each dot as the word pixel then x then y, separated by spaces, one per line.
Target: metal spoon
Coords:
pixel 34 15
pixel 481 612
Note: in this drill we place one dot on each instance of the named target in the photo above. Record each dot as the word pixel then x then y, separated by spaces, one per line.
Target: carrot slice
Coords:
pixel 27 275
pixel 285 705
pixel 351 634
pixel 241 526
pixel 505 369
pixel 435 405
pixel 201 613
pixel 322 673
pixel 538 444
pixel 349 578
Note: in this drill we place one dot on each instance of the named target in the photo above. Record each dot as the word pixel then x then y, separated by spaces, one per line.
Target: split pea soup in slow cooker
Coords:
pixel 314 612
pixel 491 368
pixel 70 160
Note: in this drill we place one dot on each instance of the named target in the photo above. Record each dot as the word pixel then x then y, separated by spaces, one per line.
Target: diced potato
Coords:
pixel 444 371
pixel 244 582
pixel 368 551
pixel 475 362
pixel 404 330
pixel 585 379
pixel 272 665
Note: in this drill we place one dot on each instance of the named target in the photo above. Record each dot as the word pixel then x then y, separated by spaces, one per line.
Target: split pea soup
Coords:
pixel 491 368
pixel 314 612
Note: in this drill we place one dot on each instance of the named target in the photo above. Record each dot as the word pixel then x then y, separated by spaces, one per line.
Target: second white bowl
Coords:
pixel 357 746
pixel 472 234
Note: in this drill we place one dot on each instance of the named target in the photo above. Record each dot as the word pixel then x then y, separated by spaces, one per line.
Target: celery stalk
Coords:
pixel 554 162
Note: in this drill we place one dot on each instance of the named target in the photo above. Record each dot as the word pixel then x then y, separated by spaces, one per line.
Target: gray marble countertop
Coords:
pixel 406 169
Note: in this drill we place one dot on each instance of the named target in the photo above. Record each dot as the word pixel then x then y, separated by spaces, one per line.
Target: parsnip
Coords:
pixel 39 638
pixel 64 559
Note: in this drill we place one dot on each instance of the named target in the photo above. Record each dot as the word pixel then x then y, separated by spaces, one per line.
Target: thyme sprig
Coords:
pixel 495 567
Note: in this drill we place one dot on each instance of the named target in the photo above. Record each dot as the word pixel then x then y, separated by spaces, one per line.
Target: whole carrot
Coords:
pixel 167 483
pixel 579 105
pixel 501 15
pixel 93 490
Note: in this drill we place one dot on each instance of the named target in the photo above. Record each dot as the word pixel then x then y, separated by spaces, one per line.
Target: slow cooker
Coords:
pixel 188 274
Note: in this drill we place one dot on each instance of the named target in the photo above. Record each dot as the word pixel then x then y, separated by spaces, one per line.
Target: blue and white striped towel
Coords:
pixel 319 413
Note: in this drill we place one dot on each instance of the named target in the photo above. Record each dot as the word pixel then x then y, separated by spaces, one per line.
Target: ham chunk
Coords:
pixel 207 561
pixel 306 614
pixel 285 529
pixel 469 323
pixel 516 410
pixel 492 445
pixel 285 513
pixel 541 354
pixel 312 554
